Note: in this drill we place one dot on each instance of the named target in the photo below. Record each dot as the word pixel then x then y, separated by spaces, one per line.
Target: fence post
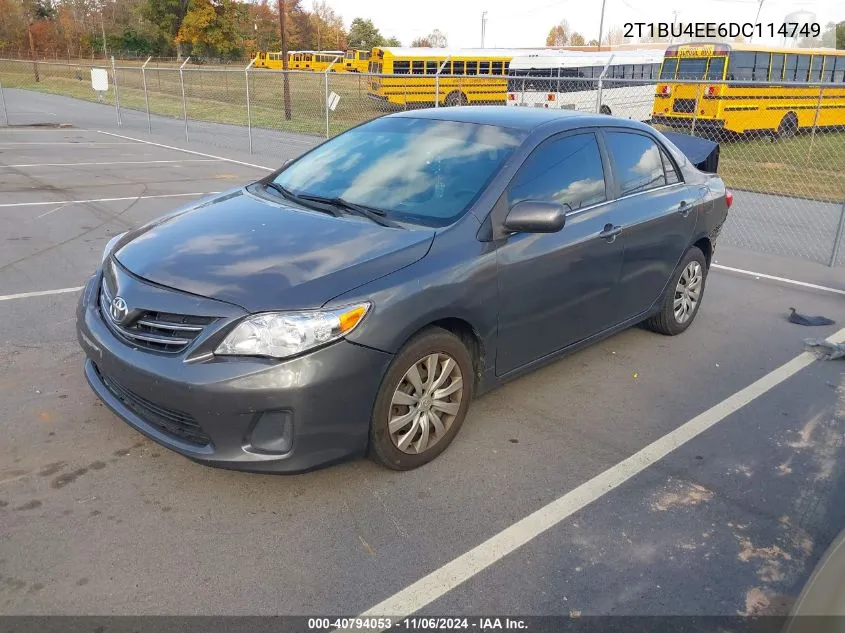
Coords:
pixel 601 84
pixel 815 123
pixel 116 92
pixel 437 82
pixel 326 81
pixel 184 104
pixel 248 108
pixel 5 111
pixel 695 111
pixel 146 97
pixel 840 235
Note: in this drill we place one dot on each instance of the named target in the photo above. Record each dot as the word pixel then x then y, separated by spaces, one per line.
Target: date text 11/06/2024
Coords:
pixel 721 29
pixel 422 623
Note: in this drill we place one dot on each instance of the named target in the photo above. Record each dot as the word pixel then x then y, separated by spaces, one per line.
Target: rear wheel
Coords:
pixel 683 298
pixel 422 401
pixel 456 98
pixel 788 125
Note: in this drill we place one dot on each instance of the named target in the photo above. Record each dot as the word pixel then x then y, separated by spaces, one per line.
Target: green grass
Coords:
pixel 806 166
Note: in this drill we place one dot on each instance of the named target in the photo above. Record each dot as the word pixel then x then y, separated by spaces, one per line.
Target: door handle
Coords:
pixel 610 232
pixel 684 208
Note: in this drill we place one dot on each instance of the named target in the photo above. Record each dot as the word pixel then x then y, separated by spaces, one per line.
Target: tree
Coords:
pixel 364 35
pixel 167 16
pixel 576 39
pixel 840 36
pixel 558 34
pixel 392 41
pixel 593 42
pixel 211 26
pixel 421 42
pixel 329 27
pixel 615 36
pixel 833 35
pixel 438 39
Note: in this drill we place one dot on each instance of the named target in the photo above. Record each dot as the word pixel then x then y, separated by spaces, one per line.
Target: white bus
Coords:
pixel 569 80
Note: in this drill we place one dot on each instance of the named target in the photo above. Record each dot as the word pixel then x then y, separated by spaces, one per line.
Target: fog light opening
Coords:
pixel 273 432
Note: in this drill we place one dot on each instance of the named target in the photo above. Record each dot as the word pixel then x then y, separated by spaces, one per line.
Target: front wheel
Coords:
pixel 683 298
pixel 422 401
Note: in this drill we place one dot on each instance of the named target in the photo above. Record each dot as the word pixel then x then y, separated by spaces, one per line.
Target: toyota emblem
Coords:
pixel 118 309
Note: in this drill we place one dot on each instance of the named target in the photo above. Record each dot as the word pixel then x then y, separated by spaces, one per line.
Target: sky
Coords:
pixel 525 23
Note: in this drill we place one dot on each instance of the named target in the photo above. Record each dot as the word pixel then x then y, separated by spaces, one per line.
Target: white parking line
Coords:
pixel 117 162
pixel 189 151
pixel 40 293
pixel 449 576
pixel 66 202
pixel 794 282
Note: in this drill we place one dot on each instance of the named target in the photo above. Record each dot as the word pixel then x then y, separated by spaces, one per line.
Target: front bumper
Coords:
pixel 327 395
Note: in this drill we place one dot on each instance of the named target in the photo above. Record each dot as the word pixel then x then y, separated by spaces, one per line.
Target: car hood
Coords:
pixel 263 255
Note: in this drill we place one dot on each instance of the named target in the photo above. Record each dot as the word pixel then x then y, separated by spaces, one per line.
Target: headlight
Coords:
pixel 283 334
pixel 110 245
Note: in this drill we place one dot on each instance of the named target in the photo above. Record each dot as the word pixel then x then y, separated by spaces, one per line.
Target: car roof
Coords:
pixel 520 117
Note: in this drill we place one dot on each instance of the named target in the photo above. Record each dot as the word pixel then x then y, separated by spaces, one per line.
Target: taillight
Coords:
pixel 664 90
pixel 550 97
pixel 511 96
pixel 711 90
pixel 729 198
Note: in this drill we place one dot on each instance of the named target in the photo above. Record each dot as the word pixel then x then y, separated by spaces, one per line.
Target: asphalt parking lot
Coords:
pixel 733 493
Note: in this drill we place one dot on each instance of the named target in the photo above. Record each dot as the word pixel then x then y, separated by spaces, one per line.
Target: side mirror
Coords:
pixel 536 216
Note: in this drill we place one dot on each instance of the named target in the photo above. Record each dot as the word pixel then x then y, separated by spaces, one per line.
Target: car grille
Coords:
pixel 175 423
pixel 160 331
pixel 684 105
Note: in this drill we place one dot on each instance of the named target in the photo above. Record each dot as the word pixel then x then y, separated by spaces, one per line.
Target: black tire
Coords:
pixel 604 110
pixel 456 98
pixel 382 448
pixel 665 321
pixel 788 125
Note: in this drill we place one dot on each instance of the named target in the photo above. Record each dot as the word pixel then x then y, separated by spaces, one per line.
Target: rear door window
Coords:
pixel 638 165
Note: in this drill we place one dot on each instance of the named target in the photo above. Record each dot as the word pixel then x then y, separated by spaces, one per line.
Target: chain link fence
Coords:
pixel 783 156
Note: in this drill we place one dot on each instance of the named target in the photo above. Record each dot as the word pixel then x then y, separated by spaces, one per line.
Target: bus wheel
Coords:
pixel 604 110
pixel 788 125
pixel 456 98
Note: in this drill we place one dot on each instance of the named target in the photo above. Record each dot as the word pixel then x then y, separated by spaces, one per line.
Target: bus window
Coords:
pixel 740 66
pixel 417 68
pixel 670 64
pixel 692 68
pixel 505 67
pixel 457 68
pixel 484 68
pixel 350 54
pixel 827 75
pixel 365 55
pixel 472 68
pixel 716 68
pixel 497 68
pixel 431 67
pixel 761 66
pixel 401 67
pixel 839 70
pixel 803 69
pixel 777 67
pixel 816 68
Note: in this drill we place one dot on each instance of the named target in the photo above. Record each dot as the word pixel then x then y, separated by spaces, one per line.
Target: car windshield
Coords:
pixel 422 171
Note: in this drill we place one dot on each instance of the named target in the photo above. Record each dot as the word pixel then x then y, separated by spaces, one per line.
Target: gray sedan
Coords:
pixel 356 300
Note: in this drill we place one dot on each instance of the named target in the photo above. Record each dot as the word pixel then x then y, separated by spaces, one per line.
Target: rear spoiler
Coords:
pixel 701 152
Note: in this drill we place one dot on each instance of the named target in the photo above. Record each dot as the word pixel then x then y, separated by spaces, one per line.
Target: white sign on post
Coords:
pixel 100 81
pixel 334 98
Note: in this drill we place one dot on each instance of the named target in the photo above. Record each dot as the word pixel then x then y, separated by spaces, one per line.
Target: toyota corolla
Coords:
pixel 356 300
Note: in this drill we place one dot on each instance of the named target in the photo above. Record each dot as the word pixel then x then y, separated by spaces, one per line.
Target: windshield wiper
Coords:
pixel 290 195
pixel 371 213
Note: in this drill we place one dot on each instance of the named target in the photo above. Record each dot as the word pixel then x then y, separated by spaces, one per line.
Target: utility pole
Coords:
pixel 756 18
pixel 601 21
pixel 674 21
pixel 285 81
pixel 483 26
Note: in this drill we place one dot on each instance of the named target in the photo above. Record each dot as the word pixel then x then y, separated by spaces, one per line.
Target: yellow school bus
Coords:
pixel 466 75
pixel 356 61
pixel 318 61
pixel 777 105
pixel 301 60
